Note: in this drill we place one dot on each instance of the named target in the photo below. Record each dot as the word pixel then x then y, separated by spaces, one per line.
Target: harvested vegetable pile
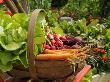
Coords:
pixel 13 42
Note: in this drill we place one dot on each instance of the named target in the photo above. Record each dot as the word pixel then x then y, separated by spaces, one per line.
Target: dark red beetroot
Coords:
pixel 76 46
pixel 67 47
pixel 68 41
pixel 78 40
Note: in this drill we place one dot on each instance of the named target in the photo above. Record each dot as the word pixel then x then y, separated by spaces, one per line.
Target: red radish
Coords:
pixel 1 1
pixel 63 38
pixel 44 44
pixel 47 47
pixel 59 43
pixel 52 42
pixel 9 12
pixel 56 37
pixel 50 36
pixel 53 48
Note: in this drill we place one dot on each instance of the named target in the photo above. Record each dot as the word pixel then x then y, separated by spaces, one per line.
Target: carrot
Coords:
pixel 51 51
pixel 54 56
pixel 58 51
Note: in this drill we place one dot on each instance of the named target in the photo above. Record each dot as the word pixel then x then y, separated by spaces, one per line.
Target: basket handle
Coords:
pixel 30 43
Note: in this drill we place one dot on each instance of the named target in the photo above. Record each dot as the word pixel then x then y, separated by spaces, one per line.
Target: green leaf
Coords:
pixel 58 30
pixel 5 68
pixel 6 57
pixel 12 45
pixel 22 19
pixel 108 34
pixel 23 59
pixel 35 49
pixel 41 16
pixel 19 35
pixel 39 36
pixel 94 23
pixel 39 40
pixel 81 24
pixel 94 71
pixel 38 30
pixel 1 31
pixel 40 48
pixel 87 77
pixel 5 19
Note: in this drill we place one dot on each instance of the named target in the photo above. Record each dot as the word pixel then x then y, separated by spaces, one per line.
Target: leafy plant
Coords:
pixel 13 39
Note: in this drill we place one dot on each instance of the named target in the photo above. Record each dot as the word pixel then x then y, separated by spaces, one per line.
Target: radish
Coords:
pixel 1 1
pixel 47 47
pixel 52 42
pixel 56 37
pixel 59 43
pixel 50 36
pixel 9 12
pixel 63 38
pixel 53 48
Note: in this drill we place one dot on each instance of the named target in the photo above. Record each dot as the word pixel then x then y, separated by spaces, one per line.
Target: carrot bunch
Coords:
pixel 63 54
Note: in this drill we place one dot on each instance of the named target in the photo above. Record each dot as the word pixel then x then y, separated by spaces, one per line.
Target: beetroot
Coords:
pixel 67 47
pixel 78 40
pixel 76 46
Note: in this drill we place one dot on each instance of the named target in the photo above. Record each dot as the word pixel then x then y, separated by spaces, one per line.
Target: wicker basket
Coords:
pixel 45 69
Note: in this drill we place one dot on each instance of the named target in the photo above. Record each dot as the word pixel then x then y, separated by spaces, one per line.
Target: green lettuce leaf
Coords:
pixel 23 59
pixel 5 68
pixel 22 19
pixel 12 45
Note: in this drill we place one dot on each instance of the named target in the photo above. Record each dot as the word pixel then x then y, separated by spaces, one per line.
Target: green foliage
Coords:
pixel 39 4
pixel 58 30
pixel 87 77
pixel 82 8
